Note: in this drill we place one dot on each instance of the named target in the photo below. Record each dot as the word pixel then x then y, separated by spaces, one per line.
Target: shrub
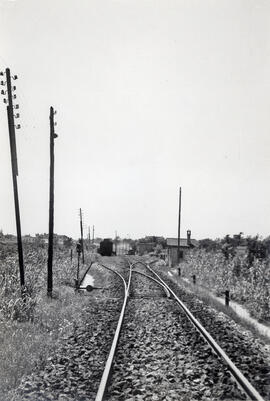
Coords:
pixel 31 325
pixel 248 284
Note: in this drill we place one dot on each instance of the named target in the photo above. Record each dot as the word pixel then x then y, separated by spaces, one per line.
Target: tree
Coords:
pixel 266 243
pixel 256 248
pixel 68 242
pixel 209 244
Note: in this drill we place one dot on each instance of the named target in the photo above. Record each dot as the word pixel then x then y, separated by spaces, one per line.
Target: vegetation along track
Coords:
pixel 74 371
pixel 247 352
pixel 160 356
pixel 162 352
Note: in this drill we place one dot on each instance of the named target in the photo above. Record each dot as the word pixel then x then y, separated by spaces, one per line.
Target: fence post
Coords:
pixel 227 297
pixel 78 272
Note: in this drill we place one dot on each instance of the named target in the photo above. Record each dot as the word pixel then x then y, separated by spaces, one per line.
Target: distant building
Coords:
pixel 42 238
pixel 149 244
pixel 8 239
pixel 145 247
pixel 59 240
pixel 27 239
pixel 121 247
pixel 185 245
pixel 63 240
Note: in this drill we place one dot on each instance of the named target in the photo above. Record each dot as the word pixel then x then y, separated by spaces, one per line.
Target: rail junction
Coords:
pixel 141 336
pixel 148 293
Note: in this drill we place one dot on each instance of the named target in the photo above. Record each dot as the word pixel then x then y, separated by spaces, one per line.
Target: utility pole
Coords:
pixel 78 249
pixel 81 225
pixel 89 239
pixel 179 224
pixel 51 204
pixel 93 234
pixel 14 163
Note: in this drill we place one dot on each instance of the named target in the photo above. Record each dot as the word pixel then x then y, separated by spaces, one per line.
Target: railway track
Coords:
pixel 153 352
pixel 161 351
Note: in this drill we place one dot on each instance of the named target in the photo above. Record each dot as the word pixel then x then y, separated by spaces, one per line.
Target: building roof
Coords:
pixel 173 242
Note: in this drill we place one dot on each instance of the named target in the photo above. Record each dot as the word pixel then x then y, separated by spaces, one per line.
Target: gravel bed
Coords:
pixel 248 353
pixel 161 357
pixel 74 372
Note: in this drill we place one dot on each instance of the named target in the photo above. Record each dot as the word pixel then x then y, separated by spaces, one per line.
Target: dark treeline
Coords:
pixel 235 245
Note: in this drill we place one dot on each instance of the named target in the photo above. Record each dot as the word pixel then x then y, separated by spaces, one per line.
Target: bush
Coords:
pixel 248 284
pixel 31 325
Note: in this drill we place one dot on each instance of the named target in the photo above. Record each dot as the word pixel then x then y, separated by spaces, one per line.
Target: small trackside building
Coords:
pixel 186 244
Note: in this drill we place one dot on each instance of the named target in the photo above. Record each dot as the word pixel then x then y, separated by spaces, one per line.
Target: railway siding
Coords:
pixel 75 370
pixel 160 356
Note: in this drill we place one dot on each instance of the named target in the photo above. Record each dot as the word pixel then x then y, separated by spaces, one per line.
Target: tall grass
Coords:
pixel 248 285
pixel 31 326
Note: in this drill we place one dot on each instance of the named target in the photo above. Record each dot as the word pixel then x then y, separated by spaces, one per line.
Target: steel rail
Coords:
pixel 107 370
pixel 155 280
pixel 115 272
pixel 237 374
pixel 136 262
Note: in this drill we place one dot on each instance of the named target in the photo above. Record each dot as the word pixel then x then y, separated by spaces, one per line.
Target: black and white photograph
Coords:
pixel 134 200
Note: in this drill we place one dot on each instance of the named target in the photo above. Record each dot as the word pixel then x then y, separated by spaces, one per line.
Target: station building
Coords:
pixel 186 244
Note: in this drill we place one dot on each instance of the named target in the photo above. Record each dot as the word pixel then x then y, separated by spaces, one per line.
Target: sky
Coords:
pixel 150 95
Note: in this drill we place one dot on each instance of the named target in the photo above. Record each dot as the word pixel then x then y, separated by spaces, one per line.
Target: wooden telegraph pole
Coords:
pixel 89 238
pixel 179 224
pixel 14 163
pixel 51 204
pixel 81 226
